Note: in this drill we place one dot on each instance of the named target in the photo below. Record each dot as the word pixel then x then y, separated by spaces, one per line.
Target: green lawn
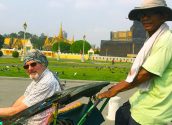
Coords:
pixel 71 69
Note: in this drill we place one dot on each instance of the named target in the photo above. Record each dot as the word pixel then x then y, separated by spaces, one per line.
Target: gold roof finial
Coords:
pixel 60 32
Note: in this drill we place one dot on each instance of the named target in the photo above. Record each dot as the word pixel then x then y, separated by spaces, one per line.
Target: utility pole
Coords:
pixel 82 58
pixel 58 51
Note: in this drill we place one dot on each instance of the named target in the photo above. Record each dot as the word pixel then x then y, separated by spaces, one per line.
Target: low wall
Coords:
pixel 115 59
pixel 95 57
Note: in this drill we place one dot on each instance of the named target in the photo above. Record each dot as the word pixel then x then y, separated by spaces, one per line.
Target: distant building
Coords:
pixel 121 35
pixel 122 43
pixel 62 36
pixel 17 43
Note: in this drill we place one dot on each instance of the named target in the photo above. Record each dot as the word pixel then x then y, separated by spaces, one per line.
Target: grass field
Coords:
pixel 71 69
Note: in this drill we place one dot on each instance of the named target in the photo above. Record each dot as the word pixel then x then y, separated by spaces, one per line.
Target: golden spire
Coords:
pixel 47 42
pixel 60 32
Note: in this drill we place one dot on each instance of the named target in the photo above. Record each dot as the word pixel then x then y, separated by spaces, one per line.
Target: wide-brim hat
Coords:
pixel 151 5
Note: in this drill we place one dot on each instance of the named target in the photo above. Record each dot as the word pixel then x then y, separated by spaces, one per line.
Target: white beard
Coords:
pixel 34 76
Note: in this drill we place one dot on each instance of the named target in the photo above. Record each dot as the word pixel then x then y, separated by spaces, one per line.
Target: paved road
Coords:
pixel 12 88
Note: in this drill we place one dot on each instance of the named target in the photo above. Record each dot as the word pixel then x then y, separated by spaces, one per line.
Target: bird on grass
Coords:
pixel 75 74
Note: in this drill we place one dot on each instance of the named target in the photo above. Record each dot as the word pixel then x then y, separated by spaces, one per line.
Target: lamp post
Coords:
pixel 133 46
pixel 82 58
pixel 58 51
pixel 24 47
pixel 106 52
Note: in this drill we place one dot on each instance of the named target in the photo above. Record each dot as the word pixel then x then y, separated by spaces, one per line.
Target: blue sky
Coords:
pixel 94 18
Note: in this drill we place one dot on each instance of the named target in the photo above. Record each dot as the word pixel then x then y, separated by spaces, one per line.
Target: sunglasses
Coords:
pixel 32 65
pixel 147 13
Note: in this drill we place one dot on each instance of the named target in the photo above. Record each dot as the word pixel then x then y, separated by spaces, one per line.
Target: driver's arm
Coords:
pixel 141 77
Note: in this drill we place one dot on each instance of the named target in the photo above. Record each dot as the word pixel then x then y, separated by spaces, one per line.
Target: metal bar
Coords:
pixel 104 104
pixel 81 122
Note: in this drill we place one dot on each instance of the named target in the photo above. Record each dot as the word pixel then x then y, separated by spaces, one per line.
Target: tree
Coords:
pixel 35 41
pixel 1 53
pixel 77 46
pixel 27 35
pixel 13 35
pixel 38 41
pixel 1 41
pixel 55 47
pixel 15 54
pixel 97 50
pixel 21 34
pixel 42 40
pixel 63 46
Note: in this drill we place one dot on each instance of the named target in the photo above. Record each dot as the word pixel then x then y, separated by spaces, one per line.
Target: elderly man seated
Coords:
pixel 44 85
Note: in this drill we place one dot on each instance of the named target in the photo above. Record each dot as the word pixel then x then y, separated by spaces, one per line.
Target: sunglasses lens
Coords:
pixel 32 65
pixel 147 13
pixel 26 66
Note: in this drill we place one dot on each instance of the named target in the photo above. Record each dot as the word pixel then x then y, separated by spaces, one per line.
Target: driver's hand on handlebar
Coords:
pixel 107 94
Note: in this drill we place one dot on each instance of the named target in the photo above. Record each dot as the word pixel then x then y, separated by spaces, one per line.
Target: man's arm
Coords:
pixel 17 107
pixel 18 101
pixel 142 76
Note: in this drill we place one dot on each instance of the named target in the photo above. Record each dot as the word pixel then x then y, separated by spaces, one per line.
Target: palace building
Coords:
pixel 124 43
pixel 62 36
pixel 18 43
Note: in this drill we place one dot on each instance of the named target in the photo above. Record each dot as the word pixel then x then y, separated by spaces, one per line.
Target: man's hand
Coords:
pixel 108 94
pixel 141 77
pixel 115 89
